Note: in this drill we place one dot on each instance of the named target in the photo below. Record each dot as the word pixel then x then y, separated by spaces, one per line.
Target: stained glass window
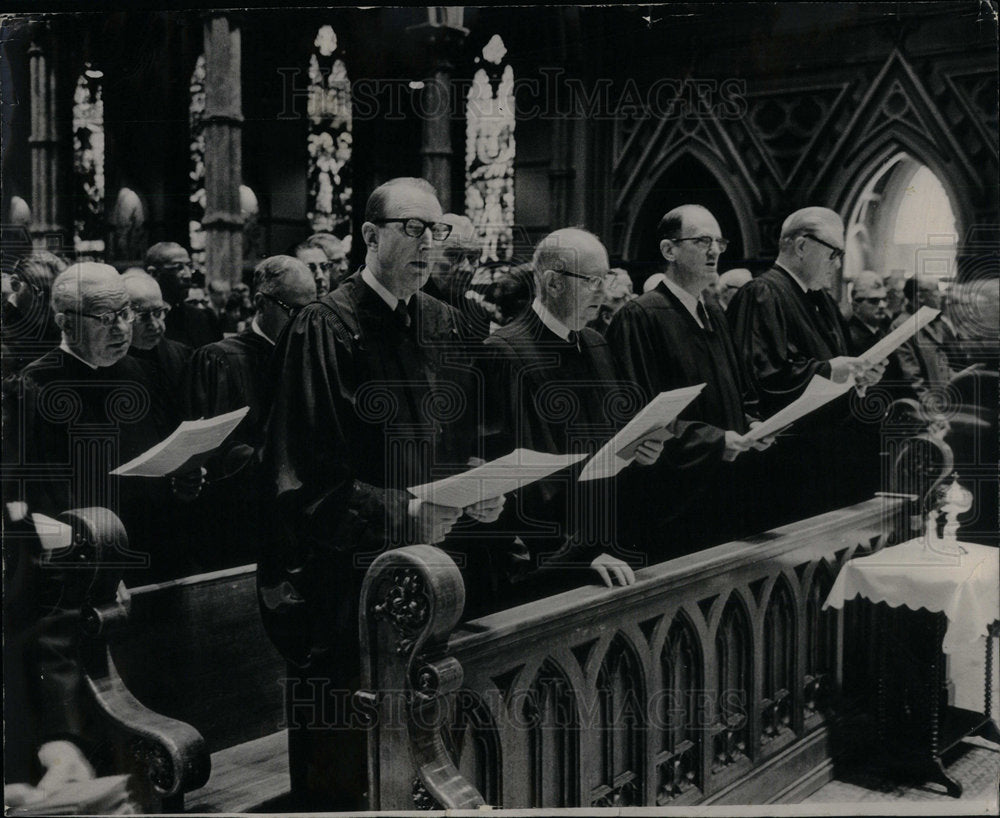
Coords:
pixel 196 114
pixel 88 164
pixel 329 184
pixel 489 152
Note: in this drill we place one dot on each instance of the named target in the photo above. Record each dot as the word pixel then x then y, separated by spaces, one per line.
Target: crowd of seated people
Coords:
pixel 553 355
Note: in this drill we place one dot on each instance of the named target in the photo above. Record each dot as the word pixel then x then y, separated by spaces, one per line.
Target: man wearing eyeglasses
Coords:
pixel 867 323
pixel 163 359
pixel 366 396
pixel 787 329
pixel 27 324
pixel 170 265
pixel 552 386
pixel 670 338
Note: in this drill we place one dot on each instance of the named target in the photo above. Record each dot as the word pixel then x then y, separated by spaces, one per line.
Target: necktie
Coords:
pixel 574 339
pixel 703 316
pixel 403 317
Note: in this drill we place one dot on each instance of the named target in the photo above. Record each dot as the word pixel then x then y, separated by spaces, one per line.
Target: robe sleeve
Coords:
pixel 760 332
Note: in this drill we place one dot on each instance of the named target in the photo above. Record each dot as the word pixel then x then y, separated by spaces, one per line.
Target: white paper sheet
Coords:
pixel 191 439
pixel 654 416
pixel 501 476
pixel 52 534
pixel 819 392
pixel 903 333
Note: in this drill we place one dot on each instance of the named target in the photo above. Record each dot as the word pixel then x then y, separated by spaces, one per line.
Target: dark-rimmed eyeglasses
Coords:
pixel 16 283
pixel 152 314
pixel 593 282
pixel 108 319
pixel 706 242
pixel 288 308
pixel 874 300
pixel 835 252
pixel 316 267
pixel 414 228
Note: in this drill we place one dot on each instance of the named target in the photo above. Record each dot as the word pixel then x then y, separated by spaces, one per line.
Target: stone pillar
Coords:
pixel 43 143
pixel 223 122
pixel 441 43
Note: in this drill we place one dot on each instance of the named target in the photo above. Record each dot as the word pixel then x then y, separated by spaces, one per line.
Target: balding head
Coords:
pixel 730 283
pixel 147 303
pixel 92 310
pixel 170 265
pixel 812 245
pixel 570 268
pixel 283 285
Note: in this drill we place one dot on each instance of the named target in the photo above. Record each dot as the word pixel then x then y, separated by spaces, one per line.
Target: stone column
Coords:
pixel 43 143
pixel 441 43
pixel 223 149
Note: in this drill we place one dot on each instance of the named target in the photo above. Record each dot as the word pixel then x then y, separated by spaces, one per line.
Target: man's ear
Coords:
pixel 152 271
pixel 553 282
pixel 61 318
pixel 667 248
pixel 369 232
pixel 259 302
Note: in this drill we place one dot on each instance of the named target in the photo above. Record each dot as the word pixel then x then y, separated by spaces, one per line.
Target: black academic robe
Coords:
pixel 165 365
pixel 79 424
pixel 193 326
pixel 860 336
pixel 554 396
pixel 362 407
pixel 785 336
pixel 474 321
pixel 223 377
pixel 921 365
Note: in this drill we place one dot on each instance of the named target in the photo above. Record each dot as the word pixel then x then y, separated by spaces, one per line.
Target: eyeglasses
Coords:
pixel 835 252
pixel 881 299
pixel 414 228
pixel 288 308
pixel 108 319
pixel 176 266
pixel 593 282
pixel 316 267
pixel 706 242
pixel 17 283
pixel 152 314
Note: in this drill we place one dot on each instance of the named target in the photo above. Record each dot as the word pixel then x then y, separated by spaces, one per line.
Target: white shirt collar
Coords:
pixel 689 301
pixel 65 348
pixel 255 328
pixel 391 301
pixel 547 318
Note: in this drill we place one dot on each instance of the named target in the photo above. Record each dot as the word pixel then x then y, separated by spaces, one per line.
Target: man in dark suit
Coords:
pixel 670 338
pixel 868 320
pixel 787 329
pixel 552 386
pixel 231 374
pixel 170 265
pixel 356 375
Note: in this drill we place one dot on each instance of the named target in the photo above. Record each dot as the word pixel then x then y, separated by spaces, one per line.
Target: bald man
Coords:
pixel 170 265
pixel 552 386
pixel 163 359
pixel 730 283
pixel 869 301
pixel 787 328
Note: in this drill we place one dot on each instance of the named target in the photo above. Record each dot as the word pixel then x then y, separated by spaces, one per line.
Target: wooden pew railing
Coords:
pixel 709 680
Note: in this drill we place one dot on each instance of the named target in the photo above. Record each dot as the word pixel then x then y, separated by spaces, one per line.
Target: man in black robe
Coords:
pixel 163 360
pixel 27 325
pixel 787 329
pixel 552 386
pixel 364 395
pixel 670 338
pixel 452 266
pixel 170 265
pixel 229 375
pixel 869 319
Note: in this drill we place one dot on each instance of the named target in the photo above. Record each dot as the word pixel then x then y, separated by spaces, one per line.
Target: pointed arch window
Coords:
pixel 330 141
pixel 489 152
pixel 196 197
pixel 88 163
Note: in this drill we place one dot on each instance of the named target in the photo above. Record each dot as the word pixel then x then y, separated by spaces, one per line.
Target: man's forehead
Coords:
pixel 104 295
pixel 406 202
pixel 174 254
pixel 698 222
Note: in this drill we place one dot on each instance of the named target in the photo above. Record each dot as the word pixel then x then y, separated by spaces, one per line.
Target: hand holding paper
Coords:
pixel 818 393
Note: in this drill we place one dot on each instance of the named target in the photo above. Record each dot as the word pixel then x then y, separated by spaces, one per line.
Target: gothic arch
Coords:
pixel 739 198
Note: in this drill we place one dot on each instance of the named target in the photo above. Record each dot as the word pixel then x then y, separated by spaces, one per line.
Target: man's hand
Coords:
pixel 187 486
pixel 648 452
pixel 433 522
pixel 764 442
pixel 842 368
pixel 63 762
pixel 735 444
pixel 612 570
pixel 866 375
pixel 486 511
